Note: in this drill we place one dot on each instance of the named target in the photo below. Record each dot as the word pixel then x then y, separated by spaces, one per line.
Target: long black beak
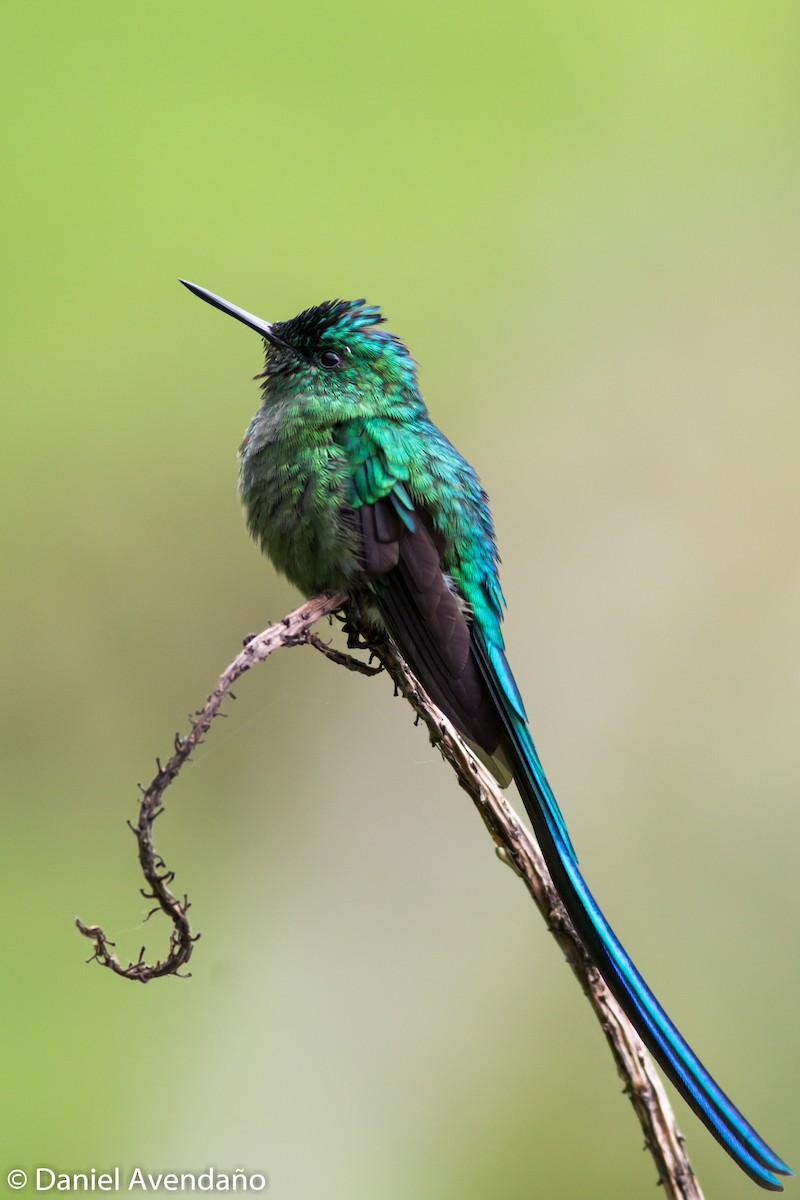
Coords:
pixel 233 310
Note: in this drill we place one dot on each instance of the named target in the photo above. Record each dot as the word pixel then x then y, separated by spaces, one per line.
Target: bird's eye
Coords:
pixel 329 359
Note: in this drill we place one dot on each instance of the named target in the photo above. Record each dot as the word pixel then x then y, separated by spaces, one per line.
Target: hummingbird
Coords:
pixel 348 485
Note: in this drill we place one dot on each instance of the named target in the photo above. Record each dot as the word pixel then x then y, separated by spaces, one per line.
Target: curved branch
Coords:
pixel 291 631
pixel 514 844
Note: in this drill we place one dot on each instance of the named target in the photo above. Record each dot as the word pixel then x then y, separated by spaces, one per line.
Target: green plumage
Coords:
pixel 326 441
pixel 349 486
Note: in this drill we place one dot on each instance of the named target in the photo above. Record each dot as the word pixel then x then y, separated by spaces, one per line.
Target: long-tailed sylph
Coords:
pixel 349 486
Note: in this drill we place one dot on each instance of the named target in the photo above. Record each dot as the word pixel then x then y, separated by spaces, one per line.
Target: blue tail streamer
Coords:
pixel 668 1047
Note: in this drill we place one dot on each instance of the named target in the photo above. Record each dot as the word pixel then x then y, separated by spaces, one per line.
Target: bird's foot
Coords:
pixel 353 624
pixel 355 641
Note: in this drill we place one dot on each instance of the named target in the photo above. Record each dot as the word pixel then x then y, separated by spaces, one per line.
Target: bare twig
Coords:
pixel 343 660
pixel 291 631
pixel 512 839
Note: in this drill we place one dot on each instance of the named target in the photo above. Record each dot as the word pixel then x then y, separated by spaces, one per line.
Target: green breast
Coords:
pixel 296 499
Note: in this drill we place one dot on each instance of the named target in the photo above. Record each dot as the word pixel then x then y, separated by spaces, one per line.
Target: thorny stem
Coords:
pixel 514 844
pixel 291 631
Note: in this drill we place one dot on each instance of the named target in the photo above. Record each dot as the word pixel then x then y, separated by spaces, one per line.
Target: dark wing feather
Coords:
pixel 380 548
pixel 425 617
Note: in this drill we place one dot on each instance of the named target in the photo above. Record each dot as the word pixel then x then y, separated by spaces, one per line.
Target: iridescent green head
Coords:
pixel 333 347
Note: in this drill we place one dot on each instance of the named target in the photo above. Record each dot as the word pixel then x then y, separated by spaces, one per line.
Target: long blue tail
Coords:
pixel 676 1058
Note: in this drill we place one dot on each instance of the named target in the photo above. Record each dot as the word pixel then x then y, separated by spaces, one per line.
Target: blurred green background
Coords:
pixel 583 220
